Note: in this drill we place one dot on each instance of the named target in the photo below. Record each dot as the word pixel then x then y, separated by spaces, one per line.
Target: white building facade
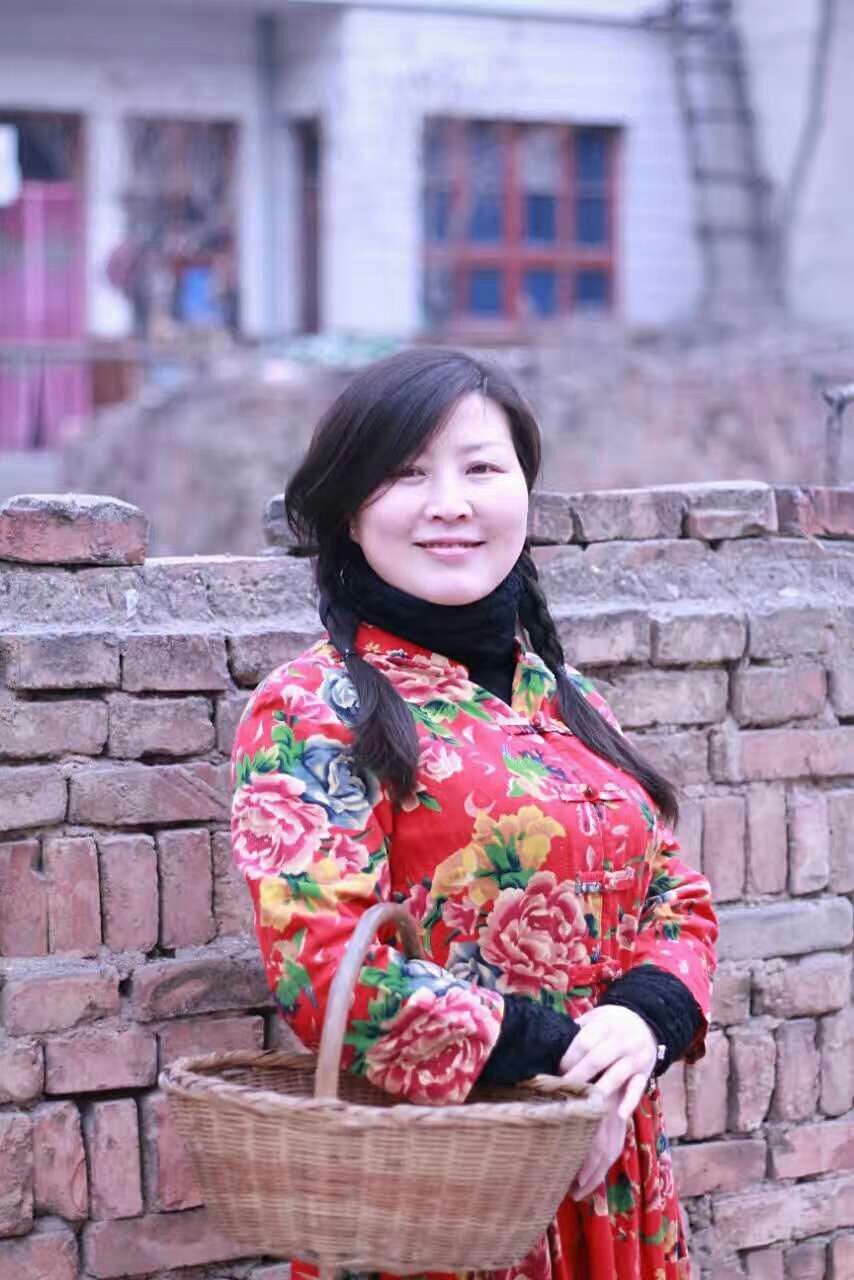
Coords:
pixel 384 168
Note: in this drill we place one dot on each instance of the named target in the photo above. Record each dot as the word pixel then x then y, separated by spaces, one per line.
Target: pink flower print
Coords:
pixel 272 829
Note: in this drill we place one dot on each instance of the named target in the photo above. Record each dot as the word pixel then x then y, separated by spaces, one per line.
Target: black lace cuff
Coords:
pixel 532 1040
pixel 665 1004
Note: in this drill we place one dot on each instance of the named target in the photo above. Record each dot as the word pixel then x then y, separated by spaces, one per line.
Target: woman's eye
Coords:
pixel 405 473
pixel 480 467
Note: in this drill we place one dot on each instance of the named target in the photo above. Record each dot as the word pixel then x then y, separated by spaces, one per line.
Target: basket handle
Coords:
pixel 344 982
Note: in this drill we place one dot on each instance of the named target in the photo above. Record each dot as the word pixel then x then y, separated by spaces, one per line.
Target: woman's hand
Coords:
pixel 606 1146
pixel 617 1049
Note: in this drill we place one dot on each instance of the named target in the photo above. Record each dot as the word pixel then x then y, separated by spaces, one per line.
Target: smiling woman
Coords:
pixel 420 753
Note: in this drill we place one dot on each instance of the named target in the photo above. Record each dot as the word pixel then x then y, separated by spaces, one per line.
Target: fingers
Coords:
pixel 631 1096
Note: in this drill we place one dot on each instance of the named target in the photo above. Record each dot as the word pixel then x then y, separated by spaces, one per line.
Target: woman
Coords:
pixel 419 753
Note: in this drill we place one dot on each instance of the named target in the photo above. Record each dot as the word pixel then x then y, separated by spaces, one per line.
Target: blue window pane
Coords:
pixel 487 218
pixel 591 288
pixel 485 291
pixel 436 150
pixel 438 293
pixel 541 291
pixel 484 157
pixel 541 218
pixel 591 155
pixel 591 220
pixel 437 214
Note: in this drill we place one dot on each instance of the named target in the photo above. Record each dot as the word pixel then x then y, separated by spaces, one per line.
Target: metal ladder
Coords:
pixel 734 222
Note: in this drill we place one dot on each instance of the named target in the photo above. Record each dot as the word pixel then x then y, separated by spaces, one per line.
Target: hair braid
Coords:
pixel 386 743
pixel 577 712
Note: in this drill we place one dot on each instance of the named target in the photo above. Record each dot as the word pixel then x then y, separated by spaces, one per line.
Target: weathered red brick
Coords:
pixel 49 1252
pixel 112 1143
pixel 72 528
pixel 53 1001
pixel 715 525
pixel 550 518
pixel 809 841
pixel 723 846
pixel 227 717
pixel 784 928
pixel 692 634
pixel 706 1087
pixel 73 895
pixel 836 1041
pixel 682 757
pixel 605 515
pixel 603 635
pixel 815 512
pixel 31 796
pixel 806 1261
pixel 842 1257
pixel 642 698
pixel 757 754
pixel 749 1219
pixel 232 902
pixel 21 1070
pixel 816 984
pixel 61 660
pixel 772 695
pixel 842 686
pixel 170 1182
pixel 159 726
pixel 187 1036
pixel 674 1100
pixel 174 663
pixel 690 831
pixel 138 794
pixel 16 1173
pixel 34 730
pixel 206 984
pixel 798 1071
pixel 702 1167
pixel 765 1264
pixel 280 1035
pixel 753 1064
pixel 810 1149
pixel 23 892
pixel 129 892
pixel 186 888
pixel 90 1060
pixel 61 1182
pixel 767 840
pixel 253 655
pixel 133 1246
pixel 731 995
pixel 789 630
pixel 840 811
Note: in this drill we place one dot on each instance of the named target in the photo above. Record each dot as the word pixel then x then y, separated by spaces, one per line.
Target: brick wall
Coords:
pixel 720 622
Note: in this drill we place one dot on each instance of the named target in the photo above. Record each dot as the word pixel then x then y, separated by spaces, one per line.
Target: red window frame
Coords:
pixel 513 254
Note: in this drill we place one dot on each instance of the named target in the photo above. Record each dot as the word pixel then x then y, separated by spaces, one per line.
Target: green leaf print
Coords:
pixel 473 709
pixel 672 930
pixel 265 760
pixel 441 709
pixel 662 884
pixel 304 887
pixel 435 726
pixel 660 1235
pixel 620 1196
pixel 291 985
pixel 428 801
pixel 648 815
pixel 581 682
pixel 287 748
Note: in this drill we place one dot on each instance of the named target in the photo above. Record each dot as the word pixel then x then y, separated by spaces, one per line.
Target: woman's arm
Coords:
pixel 311 836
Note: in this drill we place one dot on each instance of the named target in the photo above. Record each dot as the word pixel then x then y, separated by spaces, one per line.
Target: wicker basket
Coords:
pixel 299 1163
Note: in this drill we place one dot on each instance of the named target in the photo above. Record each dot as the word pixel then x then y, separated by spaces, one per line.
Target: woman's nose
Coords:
pixel 448 502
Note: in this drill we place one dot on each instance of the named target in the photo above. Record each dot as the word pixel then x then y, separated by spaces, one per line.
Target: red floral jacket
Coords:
pixel 529 864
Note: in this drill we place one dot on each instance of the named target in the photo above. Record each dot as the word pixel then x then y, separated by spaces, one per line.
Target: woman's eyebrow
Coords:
pixel 480 444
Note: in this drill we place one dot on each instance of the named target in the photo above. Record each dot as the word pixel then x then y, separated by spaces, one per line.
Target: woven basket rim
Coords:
pixel 184 1077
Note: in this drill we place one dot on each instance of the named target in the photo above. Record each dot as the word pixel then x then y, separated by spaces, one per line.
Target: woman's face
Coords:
pixel 451 525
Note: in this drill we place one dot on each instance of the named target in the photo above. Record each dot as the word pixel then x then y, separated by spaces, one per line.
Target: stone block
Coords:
pixel 696 635
pixel 170 1182
pixel 73 895
pixel 61 660
pixel 177 663
pixel 731 995
pixel 841 684
pixel 603 635
pixel 681 756
pixel 227 716
pixel 644 698
pixel 807 1261
pixel 155 1242
pixel 755 755
pixel 700 1168
pixel 54 1001
pixel 789 630
pixel 808 1150
pixel 809 841
pixel 207 983
pixel 16 1174
pixel 89 1061
pixel 129 892
pixel 840 812
pixel 186 888
pixel 112 1143
pixel 31 796
pixel 707 1088
pixel 72 528
pixel 142 795
pixel 232 901
pixel 815 512
pixel 253 655
pixel 159 726
pixel 767 840
pixel 608 515
pixel 819 983
pixel 49 1252
pixel 61 1180
pixel 773 695
pixel 550 518
pixel 23 892
pixel 185 1037
pixel 753 1063
pixel 798 1080
pixel 836 1042
pixel 21 1070
pixel 750 1219
pixel 41 730
pixel 674 1100
pixel 723 846
pixel 784 928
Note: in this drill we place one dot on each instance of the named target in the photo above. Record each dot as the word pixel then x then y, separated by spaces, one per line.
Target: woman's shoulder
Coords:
pixel 313 688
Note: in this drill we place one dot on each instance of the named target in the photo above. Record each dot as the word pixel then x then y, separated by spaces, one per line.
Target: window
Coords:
pixel 518 220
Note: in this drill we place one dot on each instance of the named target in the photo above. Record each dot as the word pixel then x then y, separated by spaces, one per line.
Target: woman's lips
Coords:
pixel 449 550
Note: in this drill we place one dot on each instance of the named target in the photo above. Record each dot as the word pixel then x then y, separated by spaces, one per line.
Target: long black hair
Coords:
pixel 382 420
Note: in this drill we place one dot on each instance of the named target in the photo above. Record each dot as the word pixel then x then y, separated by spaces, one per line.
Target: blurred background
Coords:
pixel 212 211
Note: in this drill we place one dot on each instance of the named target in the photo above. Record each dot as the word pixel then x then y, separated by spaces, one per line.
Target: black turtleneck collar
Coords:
pixel 480 635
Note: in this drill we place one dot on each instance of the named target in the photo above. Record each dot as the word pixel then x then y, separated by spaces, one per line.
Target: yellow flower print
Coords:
pixel 529 831
pixel 459 871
